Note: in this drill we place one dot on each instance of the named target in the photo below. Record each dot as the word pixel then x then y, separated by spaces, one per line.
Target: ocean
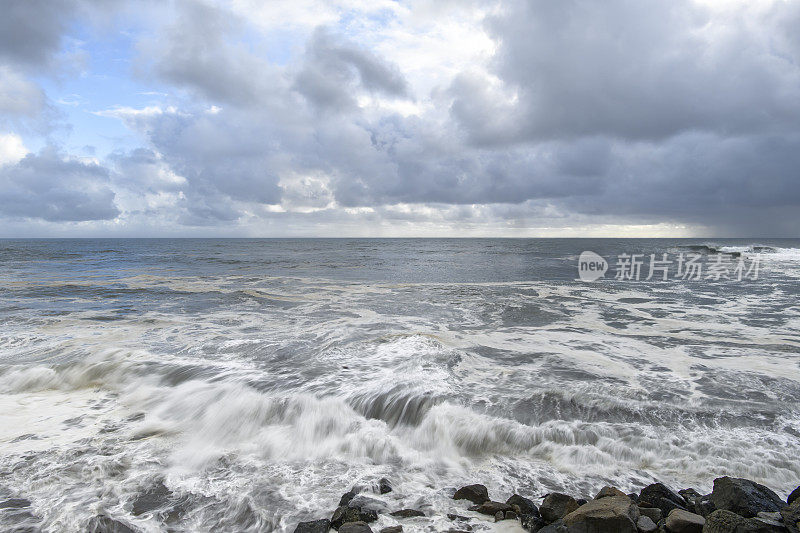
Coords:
pixel 244 385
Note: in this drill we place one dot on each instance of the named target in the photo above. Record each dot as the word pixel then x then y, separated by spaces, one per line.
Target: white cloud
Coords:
pixel 12 149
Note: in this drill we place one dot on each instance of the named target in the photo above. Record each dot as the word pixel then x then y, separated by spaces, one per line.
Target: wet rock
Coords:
pixel 680 521
pixel 365 503
pixel 660 496
pixel 722 521
pixel 763 524
pixel 491 508
pixel 581 501
pixel 392 529
pixel 690 496
pixel 499 515
pixel 609 491
pixel 315 526
pixel 791 516
pixel 475 493
pixel 532 523
pixel 384 487
pixel 704 505
pixel 348 496
pixel 154 498
pixel 793 496
pixel 452 516
pixel 346 514
pixel 355 527
pixel 407 513
pixel 15 503
pixel 106 524
pixel 612 514
pixel 556 527
pixel 653 513
pixel 523 506
pixel 646 525
pixel 511 515
pixel 744 497
pixel 557 505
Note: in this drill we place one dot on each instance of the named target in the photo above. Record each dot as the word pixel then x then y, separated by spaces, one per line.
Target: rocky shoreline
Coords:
pixel 735 505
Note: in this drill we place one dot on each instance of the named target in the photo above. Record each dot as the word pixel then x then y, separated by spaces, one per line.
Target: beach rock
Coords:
pixel 690 496
pixel 612 514
pixel 722 521
pixel 556 527
pixel 791 516
pixel 384 487
pixel 680 521
pixel 491 508
pixel 452 516
pixel 392 529
pixel 152 499
pixel 511 515
pixel 646 525
pixel 704 505
pixel 581 501
pixel 523 506
pixel 365 503
pixel 532 523
pixel 793 496
pixel 609 491
pixel 475 493
pixel 316 526
pixel 653 513
pixel 744 497
pixel 407 513
pixel 345 514
pixel 660 496
pixel 349 495
pixel 355 527
pixel 106 524
pixel 499 515
pixel 557 505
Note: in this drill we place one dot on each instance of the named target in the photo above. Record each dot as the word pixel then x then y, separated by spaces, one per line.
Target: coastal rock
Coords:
pixel 556 527
pixel 660 496
pixel 475 493
pixel 609 491
pixel 499 515
pixel 316 526
pixel 346 514
pixel 392 529
pixel 15 503
pixel 532 523
pixel 793 496
pixel 365 503
pixel 646 525
pixel 355 527
pixel 106 524
pixel 384 486
pixel 690 496
pixel 722 521
pixel 704 505
pixel 452 516
pixel 744 497
pixel 680 521
pixel 557 505
pixel 612 514
pixel 156 497
pixel 492 508
pixel 511 515
pixel 791 516
pixel 653 513
pixel 349 495
pixel 523 506
pixel 407 513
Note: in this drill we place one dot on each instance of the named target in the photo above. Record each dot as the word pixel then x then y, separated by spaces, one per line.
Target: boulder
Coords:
pixel 511 515
pixel 349 495
pixel 532 523
pixel 612 514
pixel 646 525
pixel 722 521
pixel 407 513
pixel 557 505
pixel 653 513
pixel 475 493
pixel 499 515
pixel 793 496
pixel 392 529
pixel 369 504
pixel 704 505
pixel 680 521
pixel 106 524
pixel 523 506
pixel 556 527
pixel 345 514
pixel 609 491
pixel 660 496
pixel 15 503
pixel 316 526
pixel 355 527
pixel 791 516
pixel 384 487
pixel 492 508
pixel 744 497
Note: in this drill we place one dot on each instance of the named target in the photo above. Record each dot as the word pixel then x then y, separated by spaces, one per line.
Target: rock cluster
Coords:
pixel 734 506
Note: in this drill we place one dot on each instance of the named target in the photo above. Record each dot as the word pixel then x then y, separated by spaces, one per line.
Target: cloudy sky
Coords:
pixel 400 118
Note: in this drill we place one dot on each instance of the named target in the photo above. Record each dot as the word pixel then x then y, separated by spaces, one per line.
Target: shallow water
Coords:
pixel 258 380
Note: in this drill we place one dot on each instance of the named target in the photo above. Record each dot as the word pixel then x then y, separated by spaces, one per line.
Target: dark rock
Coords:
pixel 762 525
pixel 690 496
pixel 744 497
pixel 491 508
pixel 634 497
pixel 581 501
pixel 316 526
pixel 365 503
pixel 384 487
pixel 355 527
pixel 609 491
pixel 499 515
pixel 721 521
pixel 612 514
pixel 15 503
pixel 346 514
pixel 511 515
pixel 791 517
pixel 474 493
pixel 704 505
pixel 523 506
pixel 452 516
pixel 646 525
pixel 407 513
pixel 106 524
pixel 154 498
pixel 556 506
pixel 392 529
pixel 532 523
pixel 793 496
pixel 653 513
pixel 457 531
pixel 680 521
pixel 556 527
pixel 660 496
pixel 349 495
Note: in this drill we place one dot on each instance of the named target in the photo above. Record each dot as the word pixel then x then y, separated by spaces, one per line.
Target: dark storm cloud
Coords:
pixel 48 187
